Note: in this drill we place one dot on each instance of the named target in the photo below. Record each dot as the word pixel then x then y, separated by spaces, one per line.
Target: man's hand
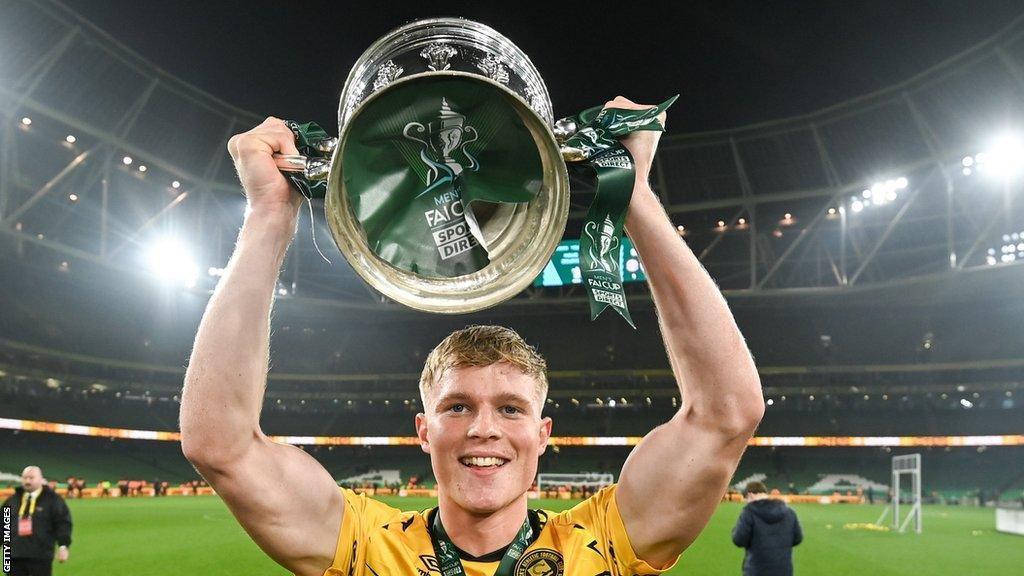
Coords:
pixel 253 153
pixel 62 554
pixel 643 143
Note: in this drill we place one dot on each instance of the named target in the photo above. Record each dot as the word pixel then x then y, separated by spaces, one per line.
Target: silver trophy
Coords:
pixel 519 237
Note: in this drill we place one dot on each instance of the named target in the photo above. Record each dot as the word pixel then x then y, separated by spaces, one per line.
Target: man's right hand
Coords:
pixel 253 154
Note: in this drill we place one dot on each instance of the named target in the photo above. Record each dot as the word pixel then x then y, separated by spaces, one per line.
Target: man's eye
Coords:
pixel 510 410
pixel 458 408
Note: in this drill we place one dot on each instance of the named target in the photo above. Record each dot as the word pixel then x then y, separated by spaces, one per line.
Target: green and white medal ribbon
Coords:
pixel 595 145
pixel 448 556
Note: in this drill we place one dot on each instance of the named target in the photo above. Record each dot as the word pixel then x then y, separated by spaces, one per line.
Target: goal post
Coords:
pixel 592 480
pixel 906 465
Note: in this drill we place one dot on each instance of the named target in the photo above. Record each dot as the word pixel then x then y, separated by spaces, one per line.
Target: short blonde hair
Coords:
pixel 483 346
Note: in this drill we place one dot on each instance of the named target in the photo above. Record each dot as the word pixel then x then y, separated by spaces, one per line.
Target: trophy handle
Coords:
pixel 310 168
pixel 313 169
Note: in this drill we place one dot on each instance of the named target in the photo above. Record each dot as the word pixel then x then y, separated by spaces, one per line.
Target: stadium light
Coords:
pixel 70 139
pixel 73 197
pixel 175 184
pixel 879 194
pixel 127 160
pixel 1003 159
pixel 171 261
pixel 26 121
pixel 967 404
pixel 142 168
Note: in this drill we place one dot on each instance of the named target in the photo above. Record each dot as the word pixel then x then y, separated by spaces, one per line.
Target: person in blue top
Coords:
pixel 769 530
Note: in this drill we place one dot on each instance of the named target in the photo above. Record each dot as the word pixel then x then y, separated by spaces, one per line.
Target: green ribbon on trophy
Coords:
pixel 315 144
pixel 595 144
pixel 430 165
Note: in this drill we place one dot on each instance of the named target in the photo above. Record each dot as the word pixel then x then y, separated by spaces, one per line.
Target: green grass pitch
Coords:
pixel 197 535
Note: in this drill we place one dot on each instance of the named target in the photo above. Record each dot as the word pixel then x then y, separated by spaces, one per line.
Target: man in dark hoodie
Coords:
pixel 39 518
pixel 768 529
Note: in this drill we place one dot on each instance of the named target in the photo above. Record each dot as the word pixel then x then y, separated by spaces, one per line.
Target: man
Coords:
pixel 483 390
pixel 39 518
pixel 769 530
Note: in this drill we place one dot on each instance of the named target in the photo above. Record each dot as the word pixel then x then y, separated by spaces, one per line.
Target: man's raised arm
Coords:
pixel 674 479
pixel 283 498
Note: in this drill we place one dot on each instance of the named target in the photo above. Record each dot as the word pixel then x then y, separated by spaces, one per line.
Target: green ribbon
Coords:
pixel 308 139
pixel 448 556
pixel 595 145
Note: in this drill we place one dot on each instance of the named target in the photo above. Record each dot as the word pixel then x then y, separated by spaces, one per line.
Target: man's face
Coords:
pixel 31 479
pixel 484 433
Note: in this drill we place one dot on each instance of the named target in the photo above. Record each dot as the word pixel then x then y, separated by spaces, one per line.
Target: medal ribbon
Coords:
pixel 448 556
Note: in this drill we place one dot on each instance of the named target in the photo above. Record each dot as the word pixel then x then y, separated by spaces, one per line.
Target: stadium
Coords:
pixel 871 249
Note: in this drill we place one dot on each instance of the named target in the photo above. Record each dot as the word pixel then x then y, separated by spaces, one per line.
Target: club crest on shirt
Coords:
pixel 542 562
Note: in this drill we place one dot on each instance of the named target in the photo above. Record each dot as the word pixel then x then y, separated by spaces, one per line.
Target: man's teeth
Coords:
pixel 482 462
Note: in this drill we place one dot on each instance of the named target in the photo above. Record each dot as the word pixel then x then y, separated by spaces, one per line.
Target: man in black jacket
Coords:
pixel 768 529
pixel 39 518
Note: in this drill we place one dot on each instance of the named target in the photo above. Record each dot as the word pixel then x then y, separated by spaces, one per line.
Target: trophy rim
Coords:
pixel 376 52
pixel 459 294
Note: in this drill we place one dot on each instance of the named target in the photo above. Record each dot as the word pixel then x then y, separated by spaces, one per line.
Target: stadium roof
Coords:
pixel 88 203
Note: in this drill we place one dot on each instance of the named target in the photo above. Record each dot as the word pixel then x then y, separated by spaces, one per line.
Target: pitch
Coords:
pixel 197 535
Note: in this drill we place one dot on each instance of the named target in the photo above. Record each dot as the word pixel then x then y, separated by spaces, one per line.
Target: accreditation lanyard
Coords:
pixel 448 556
pixel 27 501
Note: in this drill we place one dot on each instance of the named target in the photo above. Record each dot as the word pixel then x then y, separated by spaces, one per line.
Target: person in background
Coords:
pixel 40 518
pixel 769 530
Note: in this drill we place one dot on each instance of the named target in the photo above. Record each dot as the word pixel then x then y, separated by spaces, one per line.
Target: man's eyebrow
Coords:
pixel 453 396
pixel 513 397
pixel 502 397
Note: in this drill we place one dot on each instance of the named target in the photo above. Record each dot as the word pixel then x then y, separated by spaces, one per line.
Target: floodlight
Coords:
pixel 1004 158
pixel 171 261
pixel 127 160
pixel 70 139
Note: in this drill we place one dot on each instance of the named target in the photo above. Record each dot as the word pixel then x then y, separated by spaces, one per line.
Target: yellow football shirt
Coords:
pixel 587 540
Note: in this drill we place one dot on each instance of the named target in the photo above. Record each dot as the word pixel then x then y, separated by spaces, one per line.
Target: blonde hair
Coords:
pixel 483 346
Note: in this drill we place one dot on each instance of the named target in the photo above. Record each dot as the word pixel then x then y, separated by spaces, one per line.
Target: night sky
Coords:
pixel 733 62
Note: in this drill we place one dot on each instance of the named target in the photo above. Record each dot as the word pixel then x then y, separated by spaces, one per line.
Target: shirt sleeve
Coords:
pixel 361 515
pixel 600 514
pixel 798 532
pixel 62 522
pixel 744 529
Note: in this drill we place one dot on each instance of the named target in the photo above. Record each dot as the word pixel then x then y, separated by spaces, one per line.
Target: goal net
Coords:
pixel 592 481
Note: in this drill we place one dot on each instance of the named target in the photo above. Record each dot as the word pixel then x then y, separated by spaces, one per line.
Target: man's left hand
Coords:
pixel 643 143
pixel 62 554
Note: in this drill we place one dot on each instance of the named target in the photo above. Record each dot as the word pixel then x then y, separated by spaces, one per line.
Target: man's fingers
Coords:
pixel 272 136
pixel 624 103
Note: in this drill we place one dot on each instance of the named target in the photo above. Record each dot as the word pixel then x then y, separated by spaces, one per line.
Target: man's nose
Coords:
pixel 485 425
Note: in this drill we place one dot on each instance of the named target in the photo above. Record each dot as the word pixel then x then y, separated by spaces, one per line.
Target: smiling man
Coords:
pixel 483 389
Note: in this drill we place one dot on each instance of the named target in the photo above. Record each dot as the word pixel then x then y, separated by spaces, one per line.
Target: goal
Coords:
pixel 906 465
pixel 590 480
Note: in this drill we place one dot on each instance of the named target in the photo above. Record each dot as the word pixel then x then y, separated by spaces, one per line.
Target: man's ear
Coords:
pixel 545 433
pixel 421 432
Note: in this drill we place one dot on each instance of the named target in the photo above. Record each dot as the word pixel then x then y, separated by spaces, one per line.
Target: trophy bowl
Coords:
pixel 446 190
